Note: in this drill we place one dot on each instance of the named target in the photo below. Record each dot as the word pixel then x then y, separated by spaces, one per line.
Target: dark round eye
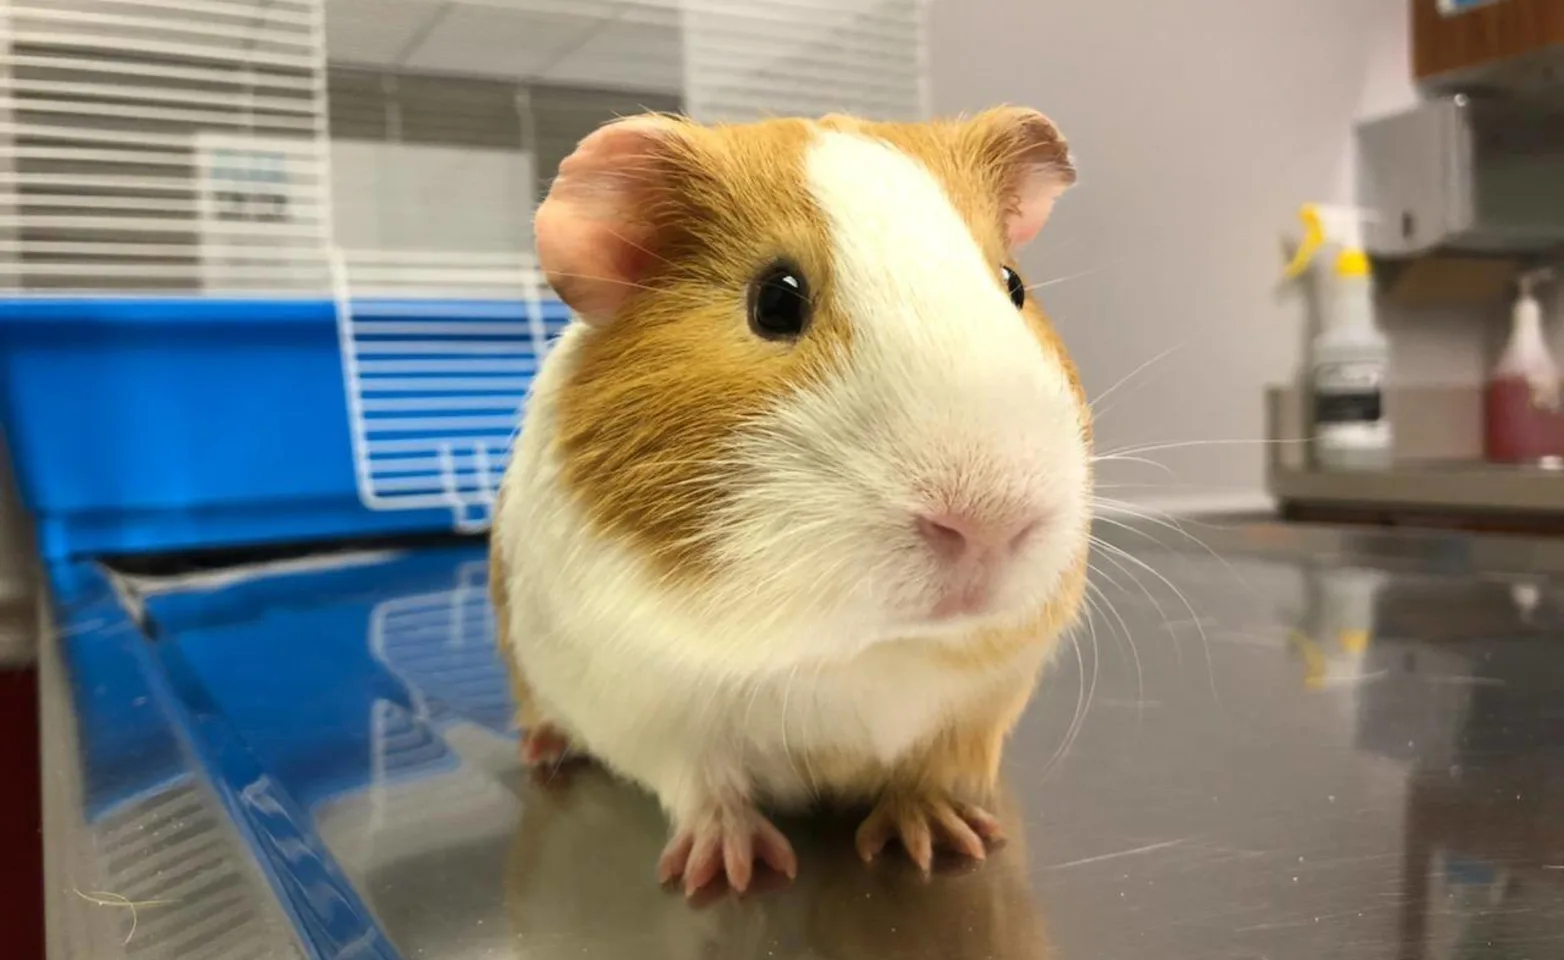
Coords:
pixel 1015 286
pixel 779 303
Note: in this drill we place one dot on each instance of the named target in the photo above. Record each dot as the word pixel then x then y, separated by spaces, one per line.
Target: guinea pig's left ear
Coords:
pixel 1031 163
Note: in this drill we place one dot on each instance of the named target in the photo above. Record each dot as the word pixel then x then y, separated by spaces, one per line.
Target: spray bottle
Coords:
pixel 1349 356
pixel 1523 409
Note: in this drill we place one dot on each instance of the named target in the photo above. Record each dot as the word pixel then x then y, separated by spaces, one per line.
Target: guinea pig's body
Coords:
pixel 799 506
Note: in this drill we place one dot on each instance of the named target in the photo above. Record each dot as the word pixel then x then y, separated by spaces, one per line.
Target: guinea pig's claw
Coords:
pixel 544 746
pixel 725 841
pixel 921 824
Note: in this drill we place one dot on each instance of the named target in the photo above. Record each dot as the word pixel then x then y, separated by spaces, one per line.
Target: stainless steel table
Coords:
pixel 1301 743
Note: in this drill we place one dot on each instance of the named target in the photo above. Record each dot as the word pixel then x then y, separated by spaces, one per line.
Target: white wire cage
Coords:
pixel 385 154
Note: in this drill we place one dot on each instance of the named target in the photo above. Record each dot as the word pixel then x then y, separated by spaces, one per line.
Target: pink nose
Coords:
pixel 961 536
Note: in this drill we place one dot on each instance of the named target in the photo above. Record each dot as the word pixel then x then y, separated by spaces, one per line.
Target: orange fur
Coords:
pixel 655 395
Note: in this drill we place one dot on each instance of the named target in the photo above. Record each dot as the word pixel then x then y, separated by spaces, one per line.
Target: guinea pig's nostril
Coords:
pixel 952 535
pixel 1026 532
pixel 943 535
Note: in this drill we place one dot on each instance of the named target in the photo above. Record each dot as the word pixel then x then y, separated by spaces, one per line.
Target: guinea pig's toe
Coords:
pixel 774 850
pixel 725 841
pixel 544 746
pixel 923 824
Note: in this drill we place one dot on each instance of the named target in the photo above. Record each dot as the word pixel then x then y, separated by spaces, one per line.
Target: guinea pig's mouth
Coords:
pixel 961 601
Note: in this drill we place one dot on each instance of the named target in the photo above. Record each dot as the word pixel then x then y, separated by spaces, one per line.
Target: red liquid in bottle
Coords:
pixel 1516 429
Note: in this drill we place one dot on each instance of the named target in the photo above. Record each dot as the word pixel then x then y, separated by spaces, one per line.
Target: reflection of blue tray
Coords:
pixel 334 675
pixel 299 686
pixel 1460 871
pixel 268 684
pixel 156 424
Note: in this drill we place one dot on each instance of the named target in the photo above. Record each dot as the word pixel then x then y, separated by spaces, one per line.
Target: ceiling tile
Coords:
pixel 637 56
pixel 500 41
pixel 374 32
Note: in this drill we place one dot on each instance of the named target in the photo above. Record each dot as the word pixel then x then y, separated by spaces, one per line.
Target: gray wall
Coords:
pixel 1199 126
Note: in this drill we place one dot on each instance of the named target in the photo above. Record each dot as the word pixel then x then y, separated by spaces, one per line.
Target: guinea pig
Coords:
pixel 800 503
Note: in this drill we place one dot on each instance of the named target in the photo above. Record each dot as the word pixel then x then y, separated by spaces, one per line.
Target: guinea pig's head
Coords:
pixel 813 390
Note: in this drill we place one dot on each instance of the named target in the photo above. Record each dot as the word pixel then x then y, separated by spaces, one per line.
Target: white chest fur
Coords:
pixel 645 711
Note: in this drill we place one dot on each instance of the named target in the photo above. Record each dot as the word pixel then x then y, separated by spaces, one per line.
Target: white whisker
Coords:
pixel 1132 375
pixel 1065 279
pixel 1140 512
pixel 1080 703
pixel 1184 599
pixel 1124 628
pixel 1181 444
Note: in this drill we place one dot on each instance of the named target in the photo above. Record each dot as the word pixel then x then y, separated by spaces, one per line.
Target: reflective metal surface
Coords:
pixel 1306 744
pixel 140 858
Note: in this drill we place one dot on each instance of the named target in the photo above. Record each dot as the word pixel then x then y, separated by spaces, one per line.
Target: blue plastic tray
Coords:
pixel 147 425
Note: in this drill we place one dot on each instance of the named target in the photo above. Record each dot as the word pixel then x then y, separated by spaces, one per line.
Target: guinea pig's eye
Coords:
pixel 1015 286
pixel 779 303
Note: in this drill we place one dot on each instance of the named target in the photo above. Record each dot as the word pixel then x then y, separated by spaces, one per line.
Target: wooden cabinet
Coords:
pixel 1502 43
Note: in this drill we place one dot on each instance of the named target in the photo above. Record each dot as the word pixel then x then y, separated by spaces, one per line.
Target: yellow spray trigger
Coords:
pixel 1313 660
pixel 1313 239
pixel 1352 263
pixel 1353 641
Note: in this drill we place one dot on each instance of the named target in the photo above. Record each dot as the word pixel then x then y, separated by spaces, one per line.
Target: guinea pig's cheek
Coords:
pixel 884 511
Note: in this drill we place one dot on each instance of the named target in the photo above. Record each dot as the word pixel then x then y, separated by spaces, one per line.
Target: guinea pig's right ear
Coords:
pixel 594 234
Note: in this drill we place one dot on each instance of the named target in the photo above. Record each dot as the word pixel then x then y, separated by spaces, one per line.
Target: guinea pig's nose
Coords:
pixel 958 535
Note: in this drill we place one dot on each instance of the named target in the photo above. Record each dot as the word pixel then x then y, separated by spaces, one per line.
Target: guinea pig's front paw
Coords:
pixel 725 837
pixel 923 821
pixel 544 745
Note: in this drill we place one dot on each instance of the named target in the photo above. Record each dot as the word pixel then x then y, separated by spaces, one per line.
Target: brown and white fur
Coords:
pixel 736 570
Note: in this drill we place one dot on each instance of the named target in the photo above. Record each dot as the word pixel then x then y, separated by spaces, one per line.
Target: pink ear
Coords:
pixel 593 241
pixel 1035 192
pixel 1035 166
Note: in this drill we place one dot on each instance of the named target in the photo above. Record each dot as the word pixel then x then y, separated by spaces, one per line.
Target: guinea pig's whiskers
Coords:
pixel 1092 405
pixel 809 773
pixel 1113 458
pixel 1085 692
pixel 646 250
pixel 756 686
pixel 787 746
pixel 1183 444
pixel 1166 521
pixel 1098 600
pixel 1064 279
pixel 622 283
pixel 1162 614
pixel 1114 551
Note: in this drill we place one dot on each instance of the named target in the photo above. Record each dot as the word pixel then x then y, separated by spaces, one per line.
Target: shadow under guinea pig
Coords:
pixel 579 884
